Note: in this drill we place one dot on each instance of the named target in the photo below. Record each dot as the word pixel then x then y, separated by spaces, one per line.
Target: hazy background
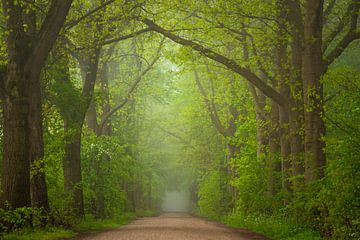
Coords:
pixel 176 201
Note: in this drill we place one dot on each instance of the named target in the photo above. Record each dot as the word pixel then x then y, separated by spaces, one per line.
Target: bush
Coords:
pixel 40 234
pixel 19 218
pixel 210 196
pixel 274 226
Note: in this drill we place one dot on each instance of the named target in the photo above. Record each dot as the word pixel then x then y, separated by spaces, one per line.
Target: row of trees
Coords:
pixel 64 77
pixel 293 80
pixel 288 53
pixel 262 76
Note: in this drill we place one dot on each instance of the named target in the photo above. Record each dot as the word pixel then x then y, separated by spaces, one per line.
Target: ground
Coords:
pixel 174 226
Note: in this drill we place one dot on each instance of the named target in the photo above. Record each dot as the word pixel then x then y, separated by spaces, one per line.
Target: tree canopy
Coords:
pixel 252 107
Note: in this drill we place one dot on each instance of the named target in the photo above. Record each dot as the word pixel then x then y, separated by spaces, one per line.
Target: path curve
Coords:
pixel 175 226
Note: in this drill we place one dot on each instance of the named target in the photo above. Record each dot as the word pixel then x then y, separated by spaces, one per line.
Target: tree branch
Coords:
pixel 181 139
pixel 328 10
pixel 340 27
pixel 339 49
pixel 131 35
pixel 210 106
pixel 258 60
pixel 131 90
pixel 258 105
pixel 88 14
pixel 48 33
pixel 229 63
pixel 350 36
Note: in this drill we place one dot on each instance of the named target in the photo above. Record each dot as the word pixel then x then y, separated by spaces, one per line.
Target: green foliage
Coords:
pixel 250 183
pixel 106 168
pixel 210 197
pixel 90 224
pixel 14 219
pixel 49 233
pixel 163 138
pixel 342 190
pixel 274 226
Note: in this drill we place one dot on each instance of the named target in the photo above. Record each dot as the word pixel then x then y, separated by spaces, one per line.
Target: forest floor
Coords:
pixel 174 226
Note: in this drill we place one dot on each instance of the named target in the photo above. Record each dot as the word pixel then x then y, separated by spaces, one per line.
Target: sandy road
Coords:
pixel 173 226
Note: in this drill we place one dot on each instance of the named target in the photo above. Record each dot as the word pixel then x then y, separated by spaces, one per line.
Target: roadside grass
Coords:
pixel 39 234
pixel 88 225
pixel 274 227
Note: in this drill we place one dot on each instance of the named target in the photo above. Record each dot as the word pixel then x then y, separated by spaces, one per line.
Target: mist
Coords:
pixel 176 201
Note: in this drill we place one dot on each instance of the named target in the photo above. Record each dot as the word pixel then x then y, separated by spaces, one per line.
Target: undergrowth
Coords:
pixel 274 227
pixel 88 224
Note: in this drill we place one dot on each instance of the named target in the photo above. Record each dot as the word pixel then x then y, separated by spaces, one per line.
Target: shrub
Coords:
pixel 20 218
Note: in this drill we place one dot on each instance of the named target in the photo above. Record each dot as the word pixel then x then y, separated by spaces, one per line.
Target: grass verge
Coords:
pixel 274 227
pixel 40 234
pixel 87 225
pixel 90 224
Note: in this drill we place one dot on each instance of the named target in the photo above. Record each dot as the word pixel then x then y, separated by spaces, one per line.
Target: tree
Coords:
pixel 27 50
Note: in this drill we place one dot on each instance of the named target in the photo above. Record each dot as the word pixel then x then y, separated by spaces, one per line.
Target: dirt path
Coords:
pixel 173 226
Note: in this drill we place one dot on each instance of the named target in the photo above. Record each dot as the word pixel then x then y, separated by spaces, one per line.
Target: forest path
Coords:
pixel 174 226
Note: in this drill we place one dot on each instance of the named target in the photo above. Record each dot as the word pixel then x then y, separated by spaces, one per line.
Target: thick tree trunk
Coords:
pixel 42 45
pixel 313 91
pixel 16 166
pixel 28 50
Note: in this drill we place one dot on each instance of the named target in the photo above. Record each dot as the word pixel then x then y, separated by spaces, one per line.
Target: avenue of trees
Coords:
pixel 252 106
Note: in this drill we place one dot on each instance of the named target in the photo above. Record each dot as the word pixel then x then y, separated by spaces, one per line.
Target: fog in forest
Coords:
pixel 243 112
pixel 176 201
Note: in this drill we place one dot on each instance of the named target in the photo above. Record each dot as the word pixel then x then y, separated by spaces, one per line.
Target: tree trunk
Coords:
pixel 100 190
pixel 296 114
pixel 283 72
pixel 39 197
pixel 106 130
pixel 27 51
pixel 16 166
pixel 105 99
pixel 98 208
pixel 73 128
pixel 273 161
pixel 285 149
pixel 233 151
pixel 72 165
pixel 91 117
pixel 261 125
pixel 313 91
